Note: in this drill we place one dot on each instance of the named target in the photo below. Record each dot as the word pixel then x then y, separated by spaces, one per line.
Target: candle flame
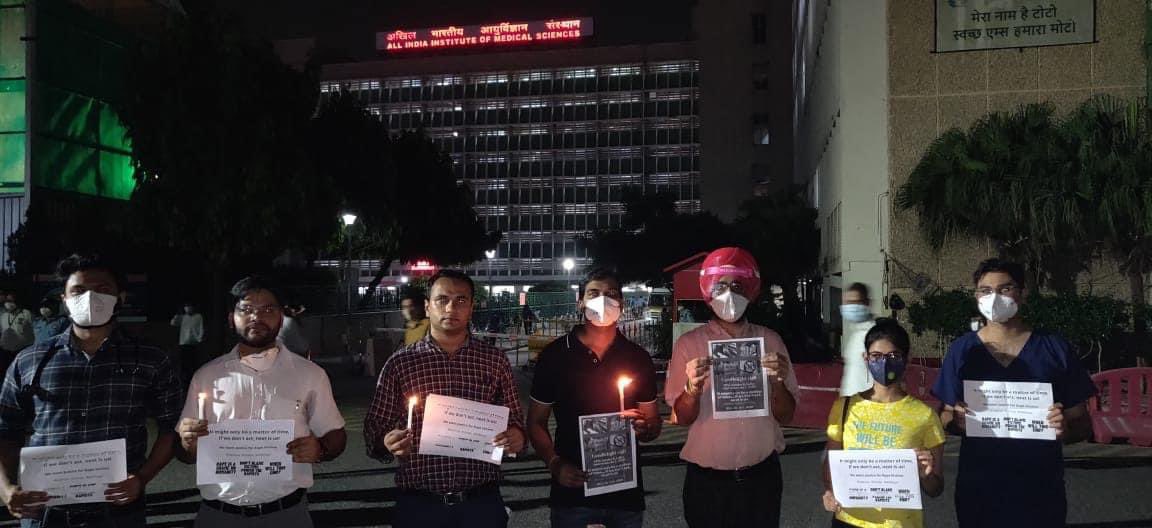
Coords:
pixel 203 395
pixel 413 399
pixel 623 382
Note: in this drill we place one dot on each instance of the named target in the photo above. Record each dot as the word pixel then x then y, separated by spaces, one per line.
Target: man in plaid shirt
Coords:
pixel 436 490
pixel 88 385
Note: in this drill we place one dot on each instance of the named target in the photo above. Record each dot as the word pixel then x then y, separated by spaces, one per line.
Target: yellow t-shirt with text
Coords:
pixel 903 424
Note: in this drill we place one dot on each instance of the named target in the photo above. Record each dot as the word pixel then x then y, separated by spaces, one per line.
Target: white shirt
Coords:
pixel 238 392
pixel 16 329
pixel 856 378
pixel 191 328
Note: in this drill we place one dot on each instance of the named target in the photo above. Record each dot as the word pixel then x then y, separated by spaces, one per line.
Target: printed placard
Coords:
pixel 607 453
pixel 739 383
pixel 245 451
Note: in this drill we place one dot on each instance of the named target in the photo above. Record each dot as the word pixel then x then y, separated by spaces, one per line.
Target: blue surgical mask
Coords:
pixel 855 313
pixel 886 371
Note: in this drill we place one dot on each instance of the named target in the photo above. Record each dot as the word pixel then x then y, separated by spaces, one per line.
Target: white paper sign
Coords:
pixel 245 451
pixel 1003 409
pixel 607 453
pixel 73 474
pixel 739 383
pixel 876 478
pixel 462 428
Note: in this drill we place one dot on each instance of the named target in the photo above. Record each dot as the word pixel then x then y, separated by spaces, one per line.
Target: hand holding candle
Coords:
pixel 624 381
pixel 411 406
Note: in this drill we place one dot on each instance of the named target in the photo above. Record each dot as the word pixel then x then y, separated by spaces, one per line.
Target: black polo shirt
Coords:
pixel 575 382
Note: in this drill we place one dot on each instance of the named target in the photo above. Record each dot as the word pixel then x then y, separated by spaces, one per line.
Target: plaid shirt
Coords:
pixel 477 372
pixel 88 400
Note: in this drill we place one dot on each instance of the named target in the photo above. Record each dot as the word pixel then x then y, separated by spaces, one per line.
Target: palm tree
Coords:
pixel 1113 142
pixel 1008 179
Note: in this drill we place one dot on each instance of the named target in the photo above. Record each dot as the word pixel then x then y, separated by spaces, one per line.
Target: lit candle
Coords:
pixel 620 384
pixel 200 408
pixel 411 406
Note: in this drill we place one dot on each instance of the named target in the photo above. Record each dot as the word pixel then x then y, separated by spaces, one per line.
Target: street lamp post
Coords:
pixel 349 219
pixel 490 254
pixel 569 265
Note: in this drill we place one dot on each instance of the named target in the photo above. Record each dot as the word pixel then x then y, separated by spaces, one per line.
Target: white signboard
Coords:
pixel 73 474
pixel 462 428
pixel 1002 409
pixel 965 25
pixel 245 451
pixel 875 478
pixel 607 453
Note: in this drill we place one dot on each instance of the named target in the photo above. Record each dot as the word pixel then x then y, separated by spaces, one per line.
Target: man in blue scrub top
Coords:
pixel 1011 482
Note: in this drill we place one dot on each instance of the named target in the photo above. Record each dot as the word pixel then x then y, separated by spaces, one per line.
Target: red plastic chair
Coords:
pixel 1123 406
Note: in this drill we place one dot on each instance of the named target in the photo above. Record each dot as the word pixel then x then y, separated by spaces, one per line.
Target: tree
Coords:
pixel 219 129
pixel 780 231
pixel 1009 178
pixel 1113 144
pixel 652 236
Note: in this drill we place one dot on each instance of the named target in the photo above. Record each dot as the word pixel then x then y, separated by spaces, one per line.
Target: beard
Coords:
pixel 264 340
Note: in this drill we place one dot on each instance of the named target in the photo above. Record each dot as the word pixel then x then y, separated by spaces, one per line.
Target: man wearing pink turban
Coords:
pixel 733 474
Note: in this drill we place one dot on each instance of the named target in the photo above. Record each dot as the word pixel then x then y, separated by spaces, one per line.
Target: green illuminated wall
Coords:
pixel 13 82
pixel 79 144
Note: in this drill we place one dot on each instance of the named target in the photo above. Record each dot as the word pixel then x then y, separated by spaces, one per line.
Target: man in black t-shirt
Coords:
pixel 577 375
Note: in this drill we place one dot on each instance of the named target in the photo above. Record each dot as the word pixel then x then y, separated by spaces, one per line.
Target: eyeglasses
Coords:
pixel 720 287
pixel 877 356
pixel 458 302
pixel 1006 289
pixel 248 310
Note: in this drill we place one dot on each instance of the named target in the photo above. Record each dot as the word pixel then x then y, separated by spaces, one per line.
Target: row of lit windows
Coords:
pixel 493 141
pixel 604 78
pixel 685 163
pixel 583 112
pixel 563 195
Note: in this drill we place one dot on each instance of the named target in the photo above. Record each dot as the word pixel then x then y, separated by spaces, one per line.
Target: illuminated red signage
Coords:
pixel 486 35
pixel 422 267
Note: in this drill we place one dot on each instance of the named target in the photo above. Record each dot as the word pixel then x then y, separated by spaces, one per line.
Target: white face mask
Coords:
pixel 602 311
pixel 261 361
pixel 998 308
pixel 46 312
pixel 10 306
pixel 91 308
pixel 729 306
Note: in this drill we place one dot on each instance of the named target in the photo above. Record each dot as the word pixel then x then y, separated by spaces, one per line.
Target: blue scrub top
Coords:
pixel 1000 478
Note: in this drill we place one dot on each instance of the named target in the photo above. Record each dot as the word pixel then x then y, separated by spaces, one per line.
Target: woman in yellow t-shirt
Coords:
pixel 886 417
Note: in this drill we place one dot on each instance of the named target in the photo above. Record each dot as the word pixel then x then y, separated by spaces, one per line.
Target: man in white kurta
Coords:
pixel 856 314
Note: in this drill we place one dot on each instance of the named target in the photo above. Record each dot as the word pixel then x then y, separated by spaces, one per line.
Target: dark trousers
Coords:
pixel 749 498
pixel 90 516
pixel 189 360
pixel 421 510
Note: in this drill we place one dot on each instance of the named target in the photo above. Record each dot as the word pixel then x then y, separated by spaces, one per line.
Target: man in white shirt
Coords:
pixel 856 314
pixel 15 329
pixel 191 325
pixel 261 379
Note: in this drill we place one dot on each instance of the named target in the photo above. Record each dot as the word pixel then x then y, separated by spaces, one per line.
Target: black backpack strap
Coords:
pixel 28 393
pixel 844 417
